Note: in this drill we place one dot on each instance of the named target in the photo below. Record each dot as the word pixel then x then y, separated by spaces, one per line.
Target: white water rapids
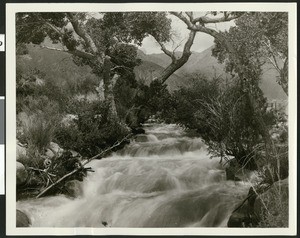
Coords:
pixel 163 178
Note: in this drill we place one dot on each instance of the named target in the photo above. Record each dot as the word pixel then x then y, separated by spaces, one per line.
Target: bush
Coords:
pixel 92 131
pixel 222 115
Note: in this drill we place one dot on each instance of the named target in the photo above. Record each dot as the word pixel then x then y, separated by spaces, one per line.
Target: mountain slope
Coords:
pixel 204 63
pixel 59 67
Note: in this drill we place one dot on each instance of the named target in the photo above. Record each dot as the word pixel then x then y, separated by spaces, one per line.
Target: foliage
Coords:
pixel 108 31
pixel 258 38
pixel 92 131
pixel 275 166
pixel 96 40
pixel 153 98
pixel 223 118
pixel 129 27
pixel 33 27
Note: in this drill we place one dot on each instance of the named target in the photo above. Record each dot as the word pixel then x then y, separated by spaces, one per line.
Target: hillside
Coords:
pixel 151 68
pixel 204 63
pixel 56 66
pixel 59 66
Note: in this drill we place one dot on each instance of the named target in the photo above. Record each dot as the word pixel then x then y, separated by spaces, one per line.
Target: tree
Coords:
pixel 96 41
pixel 220 113
pixel 194 25
pixel 259 38
pixel 248 76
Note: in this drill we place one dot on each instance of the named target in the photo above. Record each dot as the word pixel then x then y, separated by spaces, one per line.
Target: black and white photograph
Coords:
pixel 176 117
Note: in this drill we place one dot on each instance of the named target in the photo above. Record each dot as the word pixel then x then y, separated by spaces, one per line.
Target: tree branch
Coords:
pixel 166 51
pixel 83 164
pixel 227 16
pixel 190 15
pixel 178 62
pixel 194 27
pixel 78 53
pixel 79 30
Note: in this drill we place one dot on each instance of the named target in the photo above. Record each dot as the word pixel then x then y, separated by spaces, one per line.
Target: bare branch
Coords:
pixel 98 156
pixel 166 51
pixel 53 28
pixel 227 16
pixel 194 27
pixel 190 15
pixel 183 18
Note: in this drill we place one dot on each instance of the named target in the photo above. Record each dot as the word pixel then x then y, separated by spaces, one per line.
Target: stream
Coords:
pixel 163 178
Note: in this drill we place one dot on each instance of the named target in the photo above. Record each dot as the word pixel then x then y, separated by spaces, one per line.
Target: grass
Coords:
pixel 276 211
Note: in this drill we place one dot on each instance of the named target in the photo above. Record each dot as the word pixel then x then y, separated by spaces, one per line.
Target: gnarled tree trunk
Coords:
pixel 109 88
pixel 177 63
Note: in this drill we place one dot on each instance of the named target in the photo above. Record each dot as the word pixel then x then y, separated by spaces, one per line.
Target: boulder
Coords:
pixel 73 188
pixel 21 174
pixel 232 169
pixel 49 153
pixel 243 215
pixel 22 219
pixel 138 130
pixel 230 174
pixel 141 138
pixel 54 150
pixel 75 153
pixel 240 217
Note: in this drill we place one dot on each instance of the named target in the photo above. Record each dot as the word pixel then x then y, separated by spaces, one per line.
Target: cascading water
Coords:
pixel 163 178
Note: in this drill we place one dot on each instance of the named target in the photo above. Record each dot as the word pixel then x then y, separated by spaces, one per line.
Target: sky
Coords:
pixel 202 41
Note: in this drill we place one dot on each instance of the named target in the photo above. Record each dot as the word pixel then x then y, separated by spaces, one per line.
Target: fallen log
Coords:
pixel 98 156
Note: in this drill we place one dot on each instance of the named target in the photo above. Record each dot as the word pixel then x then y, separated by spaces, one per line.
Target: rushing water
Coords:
pixel 164 178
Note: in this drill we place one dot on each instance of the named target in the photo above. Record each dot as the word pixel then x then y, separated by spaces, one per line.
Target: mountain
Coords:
pixel 59 66
pixel 152 67
pixel 203 63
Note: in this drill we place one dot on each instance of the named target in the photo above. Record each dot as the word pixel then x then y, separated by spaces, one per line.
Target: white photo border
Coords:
pixel 13 8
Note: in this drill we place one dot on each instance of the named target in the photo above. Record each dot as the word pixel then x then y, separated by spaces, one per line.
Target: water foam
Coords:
pixel 156 181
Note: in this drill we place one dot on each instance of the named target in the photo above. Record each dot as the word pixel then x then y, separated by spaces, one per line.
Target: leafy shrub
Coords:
pixel 223 117
pixel 92 131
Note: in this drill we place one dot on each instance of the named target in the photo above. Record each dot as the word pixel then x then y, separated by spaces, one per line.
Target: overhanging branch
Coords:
pixel 227 16
pixel 78 53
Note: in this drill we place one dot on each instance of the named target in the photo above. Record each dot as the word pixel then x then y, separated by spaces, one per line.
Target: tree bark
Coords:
pixel 99 59
pixel 176 63
pixel 109 88
pixel 284 77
